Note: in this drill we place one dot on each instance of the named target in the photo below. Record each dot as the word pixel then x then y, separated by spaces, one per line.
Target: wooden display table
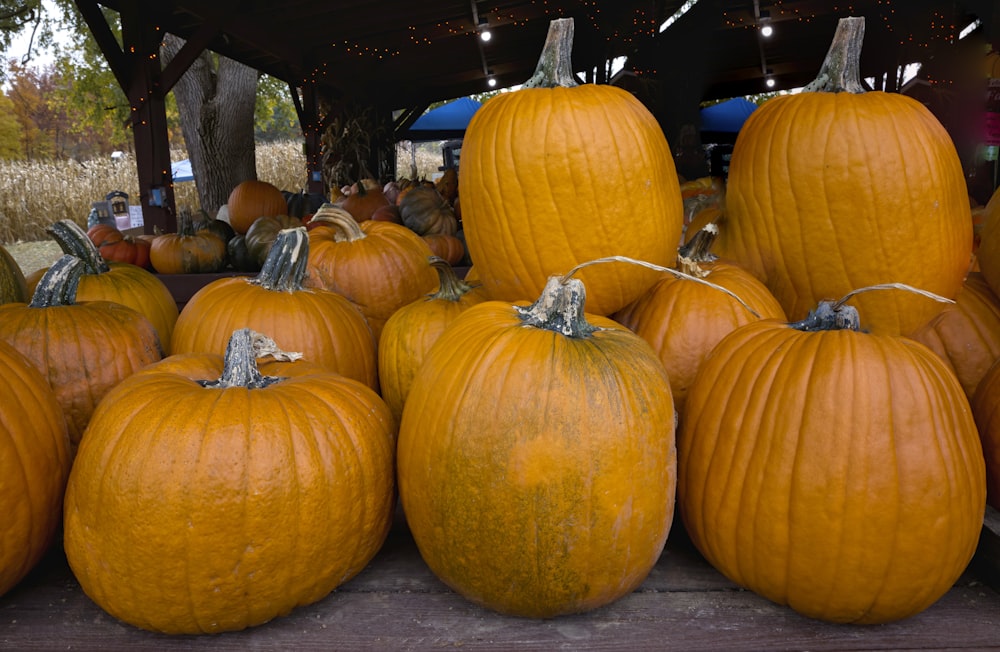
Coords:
pixel 396 603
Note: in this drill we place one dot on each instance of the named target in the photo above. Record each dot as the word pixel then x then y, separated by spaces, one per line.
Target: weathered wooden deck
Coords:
pixel 396 603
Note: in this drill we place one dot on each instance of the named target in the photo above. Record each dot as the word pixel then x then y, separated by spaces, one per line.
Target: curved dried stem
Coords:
pixel 669 270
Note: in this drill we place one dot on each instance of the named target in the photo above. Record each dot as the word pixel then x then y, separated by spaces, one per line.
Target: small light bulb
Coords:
pixel 766 31
pixel 492 82
pixel 486 35
pixel 770 82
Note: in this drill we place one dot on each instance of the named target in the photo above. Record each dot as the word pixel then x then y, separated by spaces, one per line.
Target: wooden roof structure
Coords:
pixel 404 55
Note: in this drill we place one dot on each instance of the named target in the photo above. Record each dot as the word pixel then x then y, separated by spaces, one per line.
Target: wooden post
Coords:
pixel 137 68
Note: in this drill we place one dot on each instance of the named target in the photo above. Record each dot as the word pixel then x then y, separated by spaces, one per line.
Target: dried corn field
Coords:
pixel 33 194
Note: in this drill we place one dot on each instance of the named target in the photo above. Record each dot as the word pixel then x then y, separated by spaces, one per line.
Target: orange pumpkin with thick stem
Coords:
pixel 380 266
pixel 252 199
pixel 613 191
pixel 34 465
pixel 832 470
pixel 201 504
pixel 129 285
pixel 83 348
pixel 814 205
pixel 536 456
pixel 324 326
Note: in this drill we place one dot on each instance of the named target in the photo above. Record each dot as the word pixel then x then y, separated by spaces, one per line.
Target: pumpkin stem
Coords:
pixel 559 308
pixel 697 251
pixel 285 266
pixel 836 315
pixel 555 65
pixel 347 227
pixel 677 273
pixel 59 284
pixel 73 240
pixel 239 366
pixel 892 286
pixel 828 316
pixel 841 70
pixel 450 287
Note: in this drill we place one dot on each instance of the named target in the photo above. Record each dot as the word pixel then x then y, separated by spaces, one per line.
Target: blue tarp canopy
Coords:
pixel 728 116
pixel 446 121
pixel 181 171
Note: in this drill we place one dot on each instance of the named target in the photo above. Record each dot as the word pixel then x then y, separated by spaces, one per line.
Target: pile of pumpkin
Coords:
pixel 820 396
pixel 242 233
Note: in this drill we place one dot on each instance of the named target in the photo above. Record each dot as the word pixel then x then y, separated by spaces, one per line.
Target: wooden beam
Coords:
pixel 141 37
pixel 105 39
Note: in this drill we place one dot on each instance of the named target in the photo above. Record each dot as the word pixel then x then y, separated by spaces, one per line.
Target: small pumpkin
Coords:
pixel 239 256
pixel 449 247
pixel 380 266
pixel 115 246
pixel 251 199
pixel 832 470
pixel 188 251
pixel 447 185
pixel 410 331
pixel 425 211
pixel 34 465
pixel 84 349
pixel 365 198
pixel 536 456
pixel 322 325
pixel 13 286
pixel 208 504
pixel 205 222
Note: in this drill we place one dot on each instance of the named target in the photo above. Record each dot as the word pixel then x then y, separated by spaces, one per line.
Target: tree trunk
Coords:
pixel 215 100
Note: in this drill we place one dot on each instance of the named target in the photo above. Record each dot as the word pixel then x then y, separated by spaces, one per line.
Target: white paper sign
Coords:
pixel 135 216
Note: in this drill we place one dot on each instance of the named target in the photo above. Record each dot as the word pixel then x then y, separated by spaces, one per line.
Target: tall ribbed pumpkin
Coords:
pixel 536 456
pixel 556 174
pixel 834 189
pixel 831 470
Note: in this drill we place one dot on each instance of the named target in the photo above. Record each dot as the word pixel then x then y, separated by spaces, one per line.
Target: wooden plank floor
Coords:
pixel 396 603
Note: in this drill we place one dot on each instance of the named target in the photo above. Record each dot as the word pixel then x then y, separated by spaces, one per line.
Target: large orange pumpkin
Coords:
pixel 556 174
pixel 536 456
pixel 380 266
pixel 325 327
pixel 83 348
pixel 34 465
pixel 834 189
pixel 831 470
pixel 252 199
pixel 211 504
